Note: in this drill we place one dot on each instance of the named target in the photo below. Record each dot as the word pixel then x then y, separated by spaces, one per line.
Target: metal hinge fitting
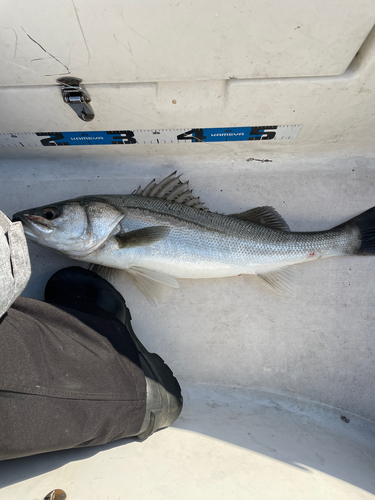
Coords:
pixel 55 495
pixel 77 97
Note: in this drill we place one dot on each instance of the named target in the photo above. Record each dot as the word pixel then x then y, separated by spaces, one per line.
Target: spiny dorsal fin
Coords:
pixel 264 215
pixel 171 189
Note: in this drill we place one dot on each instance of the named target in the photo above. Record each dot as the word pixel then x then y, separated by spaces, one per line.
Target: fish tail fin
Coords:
pixel 365 222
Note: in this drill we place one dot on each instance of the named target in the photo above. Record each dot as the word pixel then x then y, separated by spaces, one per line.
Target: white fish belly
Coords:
pixel 201 254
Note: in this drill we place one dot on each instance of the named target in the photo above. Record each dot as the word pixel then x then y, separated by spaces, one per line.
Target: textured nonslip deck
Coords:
pixel 229 443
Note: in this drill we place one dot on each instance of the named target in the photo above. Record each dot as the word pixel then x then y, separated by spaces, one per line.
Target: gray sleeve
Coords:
pixel 15 266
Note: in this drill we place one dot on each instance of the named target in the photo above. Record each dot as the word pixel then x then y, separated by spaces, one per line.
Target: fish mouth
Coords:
pixel 34 226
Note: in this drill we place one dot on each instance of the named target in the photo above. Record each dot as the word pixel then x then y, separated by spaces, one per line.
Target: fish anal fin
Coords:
pixel 267 216
pixel 142 237
pixel 281 280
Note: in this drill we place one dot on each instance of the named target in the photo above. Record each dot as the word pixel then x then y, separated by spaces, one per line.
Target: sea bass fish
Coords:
pixel 163 232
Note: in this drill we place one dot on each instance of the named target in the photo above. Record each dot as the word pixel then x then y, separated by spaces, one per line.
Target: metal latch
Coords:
pixel 77 97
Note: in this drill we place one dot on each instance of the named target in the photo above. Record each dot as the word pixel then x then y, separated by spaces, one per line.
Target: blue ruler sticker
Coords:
pixel 151 136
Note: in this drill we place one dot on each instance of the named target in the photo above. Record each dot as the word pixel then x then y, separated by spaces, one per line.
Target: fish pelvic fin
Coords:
pixel 171 189
pixel 108 273
pixel 365 222
pixel 281 280
pixel 151 283
pixel 267 216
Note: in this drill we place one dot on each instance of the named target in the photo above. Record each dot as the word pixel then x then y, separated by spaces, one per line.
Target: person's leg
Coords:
pixel 72 380
pixel 83 293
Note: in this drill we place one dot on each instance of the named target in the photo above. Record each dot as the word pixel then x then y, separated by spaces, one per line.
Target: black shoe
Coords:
pixel 74 285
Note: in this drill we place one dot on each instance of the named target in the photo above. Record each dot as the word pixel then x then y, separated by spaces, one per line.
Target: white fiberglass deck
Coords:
pixel 245 435
pixel 228 444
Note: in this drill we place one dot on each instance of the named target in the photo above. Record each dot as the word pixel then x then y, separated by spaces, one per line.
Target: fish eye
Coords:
pixel 51 213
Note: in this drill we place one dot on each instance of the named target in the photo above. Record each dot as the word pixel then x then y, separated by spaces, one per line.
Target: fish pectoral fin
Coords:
pixel 150 282
pixel 264 215
pixel 281 280
pixel 142 237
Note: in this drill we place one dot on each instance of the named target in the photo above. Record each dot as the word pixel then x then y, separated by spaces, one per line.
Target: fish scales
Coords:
pixel 163 232
pixel 217 244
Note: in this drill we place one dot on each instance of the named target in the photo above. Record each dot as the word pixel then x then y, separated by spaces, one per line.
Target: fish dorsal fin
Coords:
pixel 142 237
pixel 281 280
pixel 264 215
pixel 171 189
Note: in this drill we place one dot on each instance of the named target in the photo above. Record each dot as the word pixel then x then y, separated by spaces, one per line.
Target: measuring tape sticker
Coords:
pixel 161 136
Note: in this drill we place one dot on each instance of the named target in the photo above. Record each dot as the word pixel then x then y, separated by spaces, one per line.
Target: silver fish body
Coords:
pixel 208 245
pixel 159 233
